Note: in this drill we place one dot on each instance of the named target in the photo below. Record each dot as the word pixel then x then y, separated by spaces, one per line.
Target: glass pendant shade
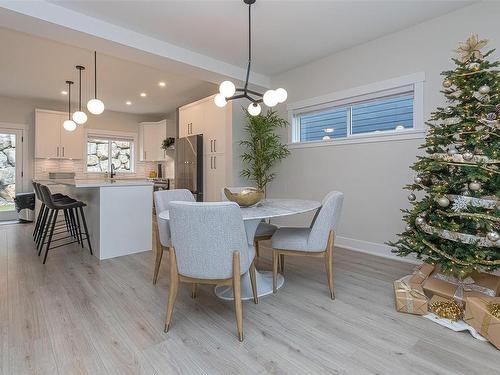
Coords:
pixel 220 100
pixel 95 106
pixel 69 125
pixel 227 89
pixel 270 98
pixel 254 109
pixel 281 95
pixel 79 117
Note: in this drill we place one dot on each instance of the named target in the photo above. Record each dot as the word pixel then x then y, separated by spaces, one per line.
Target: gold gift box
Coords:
pixel 478 316
pixel 410 299
pixel 477 285
pixel 421 273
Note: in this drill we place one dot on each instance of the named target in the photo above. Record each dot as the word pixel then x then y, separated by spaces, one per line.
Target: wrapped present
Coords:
pixel 411 300
pixel 477 285
pixel 446 308
pixel 483 313
pixel 421 273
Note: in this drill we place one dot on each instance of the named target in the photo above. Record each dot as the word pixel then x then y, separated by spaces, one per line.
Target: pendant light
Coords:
pixel 95 106
pixel 228 91
pixel 69 124
pixel 79 116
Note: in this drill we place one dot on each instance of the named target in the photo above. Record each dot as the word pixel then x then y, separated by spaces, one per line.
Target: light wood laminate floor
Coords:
pixel 76 315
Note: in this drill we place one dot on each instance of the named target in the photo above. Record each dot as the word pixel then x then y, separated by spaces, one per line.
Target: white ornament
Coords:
pixel 474 186
pixel 460 204
pixel 411 197
pixel 408 228
pixel 443 201
pixel 493 236
pixel 452 151
pixel 468 155
pixel 448 110
pixel 418 179
pixel 484 89
pixel 472 66
pixel 419 220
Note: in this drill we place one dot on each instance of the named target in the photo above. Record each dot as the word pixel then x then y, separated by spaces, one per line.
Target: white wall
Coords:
pixel 372 175
pixel 22 111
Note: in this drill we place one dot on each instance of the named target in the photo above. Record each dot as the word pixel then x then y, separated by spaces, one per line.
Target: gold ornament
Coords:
pixel 447 309
pixel 494 309
pixel 471 48
pixel 447 83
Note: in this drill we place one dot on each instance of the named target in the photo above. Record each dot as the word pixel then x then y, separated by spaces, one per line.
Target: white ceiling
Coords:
pixel 38 68
pixel 286 34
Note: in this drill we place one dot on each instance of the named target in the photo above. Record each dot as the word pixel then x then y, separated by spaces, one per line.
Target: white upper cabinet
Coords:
pixel 151 136
pixel 215 126
pixel 190 120
pixel 53 141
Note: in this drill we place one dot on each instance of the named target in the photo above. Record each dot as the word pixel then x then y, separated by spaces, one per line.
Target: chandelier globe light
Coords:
pixel 69 124
pixel 228 90
pixel 79 116
pixel 95 106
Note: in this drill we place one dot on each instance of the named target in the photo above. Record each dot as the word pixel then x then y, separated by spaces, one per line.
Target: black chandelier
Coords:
pixel 228 91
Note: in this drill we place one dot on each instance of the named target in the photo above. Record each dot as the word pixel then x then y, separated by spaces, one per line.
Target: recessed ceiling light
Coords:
pixel 128 102
pixel 161 84
pixel 64 92
pixel 143 94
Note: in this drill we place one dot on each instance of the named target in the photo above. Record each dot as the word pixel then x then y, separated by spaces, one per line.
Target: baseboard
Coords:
pixel 374 248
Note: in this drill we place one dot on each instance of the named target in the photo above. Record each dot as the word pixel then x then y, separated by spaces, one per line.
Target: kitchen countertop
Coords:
pixel 96 182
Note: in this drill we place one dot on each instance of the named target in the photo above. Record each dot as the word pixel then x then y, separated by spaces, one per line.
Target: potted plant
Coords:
pixel 168 143
pixel 263 147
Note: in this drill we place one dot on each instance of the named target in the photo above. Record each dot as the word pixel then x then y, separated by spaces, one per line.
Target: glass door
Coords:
pixel 10 171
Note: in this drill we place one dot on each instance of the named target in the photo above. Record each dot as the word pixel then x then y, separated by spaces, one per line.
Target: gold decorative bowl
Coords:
pixel 245 198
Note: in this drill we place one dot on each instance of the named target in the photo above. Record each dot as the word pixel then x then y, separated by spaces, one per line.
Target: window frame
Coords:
pixel 378 90
pixel 112 136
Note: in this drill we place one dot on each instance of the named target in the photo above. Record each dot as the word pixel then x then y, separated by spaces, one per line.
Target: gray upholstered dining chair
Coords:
pixel 316 240
pixel 209 246
pixel 264 230
pixel 162 200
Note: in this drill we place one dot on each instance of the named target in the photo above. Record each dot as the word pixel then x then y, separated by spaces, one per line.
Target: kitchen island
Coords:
pixel 119 212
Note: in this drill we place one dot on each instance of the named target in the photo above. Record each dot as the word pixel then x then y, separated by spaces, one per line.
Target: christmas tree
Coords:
pixel 455 224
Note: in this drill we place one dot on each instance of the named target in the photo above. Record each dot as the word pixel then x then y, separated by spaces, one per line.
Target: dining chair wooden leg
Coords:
pixel 256 245
pixel 329 264
pixel 194 290
pixel 238 308
pixel 253 282
pixel 159 255
pixel 275 269
pixel 282 264
pixel 174 285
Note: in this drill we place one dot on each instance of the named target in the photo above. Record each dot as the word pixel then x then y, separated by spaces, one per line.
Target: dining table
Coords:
pixel 252 216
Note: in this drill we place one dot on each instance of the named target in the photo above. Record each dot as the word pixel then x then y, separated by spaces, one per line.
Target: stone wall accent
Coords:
pixel 7 169
pixel 98 155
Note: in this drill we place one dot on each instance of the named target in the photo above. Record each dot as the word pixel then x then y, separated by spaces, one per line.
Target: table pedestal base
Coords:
pixel 263 279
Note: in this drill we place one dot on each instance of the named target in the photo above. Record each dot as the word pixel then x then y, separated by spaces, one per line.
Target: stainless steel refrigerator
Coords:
pixel 189 165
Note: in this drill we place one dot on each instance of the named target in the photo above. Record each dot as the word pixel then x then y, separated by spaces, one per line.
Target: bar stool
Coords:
pixel 71 208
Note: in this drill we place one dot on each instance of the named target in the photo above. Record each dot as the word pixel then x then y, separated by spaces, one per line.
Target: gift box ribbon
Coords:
pixel 466 285
pixel 410 293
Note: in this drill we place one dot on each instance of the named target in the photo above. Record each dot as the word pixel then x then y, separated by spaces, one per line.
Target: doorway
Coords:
pixel 11 170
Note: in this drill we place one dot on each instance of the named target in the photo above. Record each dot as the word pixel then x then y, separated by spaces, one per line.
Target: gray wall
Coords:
pixel 372 175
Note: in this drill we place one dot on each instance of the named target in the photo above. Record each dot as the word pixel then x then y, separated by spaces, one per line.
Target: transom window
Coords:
pixel 360 113
pixel 102 152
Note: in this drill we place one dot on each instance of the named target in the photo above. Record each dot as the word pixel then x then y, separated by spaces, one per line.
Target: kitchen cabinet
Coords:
pixel 215 177
pixel 190 120
pixel 53 141
pixel 151 136
pixel 214 127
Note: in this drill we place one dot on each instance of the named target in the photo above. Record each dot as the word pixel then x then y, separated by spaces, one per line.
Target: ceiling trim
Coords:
pixel 70 19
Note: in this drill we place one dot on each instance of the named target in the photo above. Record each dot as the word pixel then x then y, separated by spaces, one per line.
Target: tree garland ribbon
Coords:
pixel 488 203
pixel 458 158
pixel 481 262
pixel 458 237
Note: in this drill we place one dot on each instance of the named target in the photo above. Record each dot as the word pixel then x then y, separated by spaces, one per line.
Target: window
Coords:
pixel 101 152
pixel 372 111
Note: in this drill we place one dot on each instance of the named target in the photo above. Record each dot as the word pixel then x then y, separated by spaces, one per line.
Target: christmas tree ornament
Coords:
pixel 448 110
pixel 452 121
pixel 418 179
pixel 493 236
pixel 447 83
pixel 419 220
pixel 408 228
pixel 484 89
pixel 474 186
pixel 452 150
pixel 473 66
pixel 481 97
pixel 467 155
pixel 491 116
pixel 447 310
pixel 412 197
pixel 443 201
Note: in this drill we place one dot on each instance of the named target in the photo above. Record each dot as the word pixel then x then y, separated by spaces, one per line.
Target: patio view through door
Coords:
pixel 10 170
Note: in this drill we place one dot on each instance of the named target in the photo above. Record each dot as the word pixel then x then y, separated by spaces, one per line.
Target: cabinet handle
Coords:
pixel 63 151
pixel 211 162
pixel 215 162
pixel 211 147
pixel 58 151
pixel 144 155
pixel 215 148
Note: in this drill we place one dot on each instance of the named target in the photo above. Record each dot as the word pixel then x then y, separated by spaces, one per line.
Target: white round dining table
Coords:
pixel 252 216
